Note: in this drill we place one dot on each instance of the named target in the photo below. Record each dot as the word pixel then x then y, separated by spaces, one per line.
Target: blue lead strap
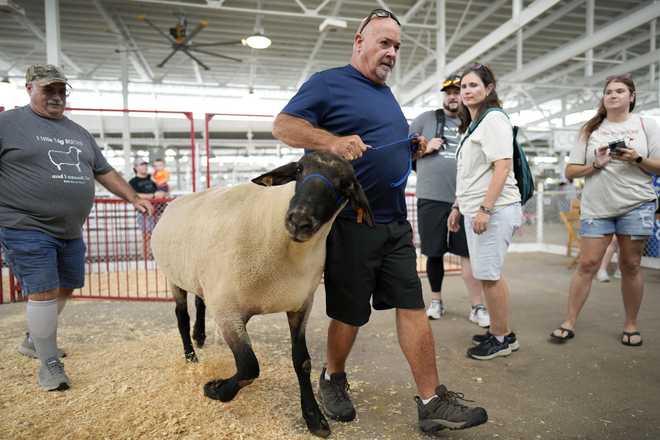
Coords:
pixel 403 178
pixel 326 181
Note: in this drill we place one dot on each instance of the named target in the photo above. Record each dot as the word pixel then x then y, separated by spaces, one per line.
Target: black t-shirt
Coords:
pixel 143 185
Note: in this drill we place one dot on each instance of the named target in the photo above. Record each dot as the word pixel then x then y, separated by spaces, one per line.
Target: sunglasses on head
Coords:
pixel 615 77
pixel 380 13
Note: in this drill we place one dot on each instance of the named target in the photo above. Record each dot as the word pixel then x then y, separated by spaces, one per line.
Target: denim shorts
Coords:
pixel 487 250
pixel 638 223
pixel 42 262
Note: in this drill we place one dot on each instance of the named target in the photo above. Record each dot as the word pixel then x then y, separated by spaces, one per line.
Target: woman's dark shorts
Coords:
pixel 436 239
pixel 363 264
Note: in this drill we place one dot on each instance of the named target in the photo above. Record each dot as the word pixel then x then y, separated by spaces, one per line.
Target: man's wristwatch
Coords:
pixel 639 159
pixel 485 210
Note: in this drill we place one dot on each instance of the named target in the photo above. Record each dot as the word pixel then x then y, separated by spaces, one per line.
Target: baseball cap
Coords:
pixel 45 74
pixel 451 81
pixel 140 162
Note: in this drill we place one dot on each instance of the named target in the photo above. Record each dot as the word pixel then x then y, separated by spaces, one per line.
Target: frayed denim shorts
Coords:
pixel 42 262
pixel 638 223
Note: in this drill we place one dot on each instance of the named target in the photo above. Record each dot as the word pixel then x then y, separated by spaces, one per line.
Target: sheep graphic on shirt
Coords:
pixel 71 157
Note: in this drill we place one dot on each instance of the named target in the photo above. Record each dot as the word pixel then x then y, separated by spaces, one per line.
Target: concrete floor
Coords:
pixel 593 387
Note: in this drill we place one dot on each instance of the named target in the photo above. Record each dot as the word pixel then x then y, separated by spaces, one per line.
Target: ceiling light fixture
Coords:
pixel 257 41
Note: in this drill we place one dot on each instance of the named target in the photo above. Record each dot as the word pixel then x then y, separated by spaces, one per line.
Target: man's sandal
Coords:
pixel 626 338
pixel 563 336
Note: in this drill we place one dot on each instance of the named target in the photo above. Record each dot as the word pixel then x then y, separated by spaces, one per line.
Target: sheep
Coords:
pixel 259 249
pixel 183 322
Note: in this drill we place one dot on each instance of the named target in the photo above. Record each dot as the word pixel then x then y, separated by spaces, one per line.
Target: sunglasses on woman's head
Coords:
pixel 380 13
pixel 615 77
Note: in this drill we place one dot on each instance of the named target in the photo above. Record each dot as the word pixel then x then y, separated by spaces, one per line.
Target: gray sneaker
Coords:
pixel 445 411
pixel 334 398
pixel 52 376
pixel 27 348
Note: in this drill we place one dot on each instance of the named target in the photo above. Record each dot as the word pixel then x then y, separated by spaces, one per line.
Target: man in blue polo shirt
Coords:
pixel 350 111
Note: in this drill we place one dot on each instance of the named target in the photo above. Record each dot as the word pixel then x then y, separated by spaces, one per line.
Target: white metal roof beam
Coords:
pixel 577 66
pixel 629 66
pixel 483 15
pixel 302 6
pixel 317 46
pixel 311 14
pixel 505 30
pixel 412 11
pixel 29 25
pixel 121 32
pixel 568 51
pixel 533 30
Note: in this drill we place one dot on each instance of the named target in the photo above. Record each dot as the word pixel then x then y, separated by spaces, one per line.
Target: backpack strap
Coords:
pixel 474 124
pixel 440 123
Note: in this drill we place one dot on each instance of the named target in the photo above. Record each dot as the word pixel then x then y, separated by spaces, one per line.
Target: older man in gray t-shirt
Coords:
pixel 436 192
pixel 48 165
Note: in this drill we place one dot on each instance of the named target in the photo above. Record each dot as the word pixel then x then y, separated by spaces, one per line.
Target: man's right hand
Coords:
pixel 348 147
pixel 434 144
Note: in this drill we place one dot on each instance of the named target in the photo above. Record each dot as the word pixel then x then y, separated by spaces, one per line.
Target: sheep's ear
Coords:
pixel 359 202
pixel 279 176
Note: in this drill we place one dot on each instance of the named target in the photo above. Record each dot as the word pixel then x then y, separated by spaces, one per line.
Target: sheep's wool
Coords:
pixel 231 247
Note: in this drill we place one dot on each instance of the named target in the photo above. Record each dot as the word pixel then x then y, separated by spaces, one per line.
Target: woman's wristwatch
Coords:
pixel 485 210
pixel 639 159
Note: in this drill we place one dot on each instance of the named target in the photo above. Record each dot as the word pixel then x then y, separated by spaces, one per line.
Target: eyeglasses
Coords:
pixel 615 77
pixel 380 13
pixel 56 90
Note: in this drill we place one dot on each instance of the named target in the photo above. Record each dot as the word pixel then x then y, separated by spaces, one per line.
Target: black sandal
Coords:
pixel 570 334
pixel 625 339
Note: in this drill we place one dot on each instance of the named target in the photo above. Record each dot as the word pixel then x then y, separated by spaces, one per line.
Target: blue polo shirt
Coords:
pixel 344 102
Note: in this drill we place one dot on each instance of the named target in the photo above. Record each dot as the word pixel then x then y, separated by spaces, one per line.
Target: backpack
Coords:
pixel 521 169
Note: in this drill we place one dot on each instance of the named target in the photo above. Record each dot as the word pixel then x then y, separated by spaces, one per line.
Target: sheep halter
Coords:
pixel 326 182
pixel 403 179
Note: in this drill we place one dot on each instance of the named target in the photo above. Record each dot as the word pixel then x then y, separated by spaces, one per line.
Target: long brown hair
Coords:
pixel 592 124
pixel 492 100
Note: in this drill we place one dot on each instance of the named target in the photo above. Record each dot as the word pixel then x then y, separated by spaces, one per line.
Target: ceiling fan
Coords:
pixel 181 40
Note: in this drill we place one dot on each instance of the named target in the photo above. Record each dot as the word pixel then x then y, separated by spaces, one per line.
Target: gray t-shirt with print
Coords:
pixel 436 172
pixel 47 170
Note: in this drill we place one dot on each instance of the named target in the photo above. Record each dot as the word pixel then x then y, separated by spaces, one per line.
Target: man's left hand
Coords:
pixel 419 146
pixel 143 205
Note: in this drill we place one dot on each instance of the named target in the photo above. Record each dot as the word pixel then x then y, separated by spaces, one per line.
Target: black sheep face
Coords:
pixel 324 181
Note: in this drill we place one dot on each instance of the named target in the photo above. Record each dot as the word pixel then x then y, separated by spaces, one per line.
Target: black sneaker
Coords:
pixel 489 349
pixel 510 338
pixel 446 412
pixel 334 398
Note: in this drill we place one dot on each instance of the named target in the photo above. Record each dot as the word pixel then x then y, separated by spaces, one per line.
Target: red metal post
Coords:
pixel 207 120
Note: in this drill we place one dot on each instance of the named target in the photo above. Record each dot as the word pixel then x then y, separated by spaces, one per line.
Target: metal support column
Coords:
pixel 53 43
pixel 589 55
pixel 517 8
pixel 651 49
pixel 126 128
pixel 440 42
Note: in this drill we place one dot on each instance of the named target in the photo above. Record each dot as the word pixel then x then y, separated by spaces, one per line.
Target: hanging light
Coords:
pixel 257 41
